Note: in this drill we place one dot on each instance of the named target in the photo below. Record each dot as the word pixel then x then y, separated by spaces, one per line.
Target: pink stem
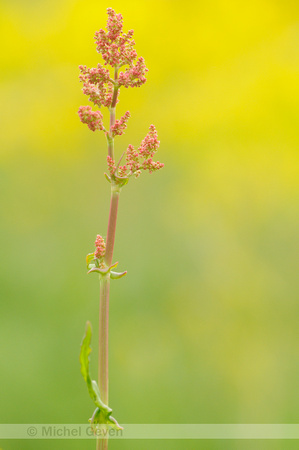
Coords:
pixel 111 226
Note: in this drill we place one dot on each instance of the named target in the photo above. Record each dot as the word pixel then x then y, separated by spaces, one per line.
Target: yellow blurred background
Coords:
pixel 204 328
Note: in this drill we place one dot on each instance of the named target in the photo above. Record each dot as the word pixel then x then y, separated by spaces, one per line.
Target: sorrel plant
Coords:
pixel 102 87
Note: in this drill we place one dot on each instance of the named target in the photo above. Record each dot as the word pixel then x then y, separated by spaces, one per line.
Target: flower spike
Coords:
pixel 121 68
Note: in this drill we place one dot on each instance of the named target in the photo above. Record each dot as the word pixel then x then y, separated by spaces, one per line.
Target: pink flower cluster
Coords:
pixel 134 75
pixel 100 247
pixel 117 50
pixel 138 160
pixel 120 125
pixel 150 143
pixel 97 85
pixel 94 119
pixel 111 165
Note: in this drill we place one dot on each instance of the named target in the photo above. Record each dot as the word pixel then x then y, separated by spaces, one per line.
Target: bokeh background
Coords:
pixel 204 328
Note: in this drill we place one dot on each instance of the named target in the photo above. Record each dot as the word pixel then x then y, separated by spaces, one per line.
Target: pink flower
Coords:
pixel 97 85
pixel 138 160
pixel 132 160
pixel 150 143
pixel 117 50
pixel 151 165
pixel 115 46
pixel 122 170
pixel 142 159
pixel 120 125
pixel 114 24
pixel 94 119
pixel 98 75
pixel 134 75
pixel 100 247
pixel 111 165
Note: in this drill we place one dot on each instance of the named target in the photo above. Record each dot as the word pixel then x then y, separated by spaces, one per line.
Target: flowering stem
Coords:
pixel 117 50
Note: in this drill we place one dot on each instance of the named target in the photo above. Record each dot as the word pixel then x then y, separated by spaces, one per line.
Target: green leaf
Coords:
pixel 122 181
pixel 98 270
pixel 116 275
pixel 102 414
pixel 107 177
pixel 89 258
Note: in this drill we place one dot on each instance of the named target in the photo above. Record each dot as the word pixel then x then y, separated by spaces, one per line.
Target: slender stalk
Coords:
pixel 102 444
pixel 104 301
pixel 103 338
pixel 112 225
pixel 115 91
pixel 103 371
pixel 110 142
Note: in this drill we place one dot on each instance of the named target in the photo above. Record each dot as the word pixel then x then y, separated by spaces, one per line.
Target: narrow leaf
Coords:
pixel 116 275
pixel 98 270
pixel 113 266
pixel 107 177
pixel 102 414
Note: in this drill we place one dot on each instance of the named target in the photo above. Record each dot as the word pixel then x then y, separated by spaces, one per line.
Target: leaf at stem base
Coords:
pixel 102 414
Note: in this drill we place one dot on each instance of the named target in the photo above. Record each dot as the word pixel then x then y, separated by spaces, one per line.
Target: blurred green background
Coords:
pixel 204 328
